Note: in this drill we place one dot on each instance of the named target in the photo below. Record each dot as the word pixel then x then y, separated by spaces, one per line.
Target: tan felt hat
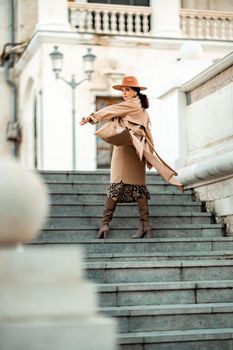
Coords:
pixel 130 82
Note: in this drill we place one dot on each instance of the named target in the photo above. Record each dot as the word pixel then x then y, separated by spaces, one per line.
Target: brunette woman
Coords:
pixel 128 164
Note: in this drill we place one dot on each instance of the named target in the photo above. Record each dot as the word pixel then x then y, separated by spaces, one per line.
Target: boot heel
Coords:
pixel 149 234
pixel 103 232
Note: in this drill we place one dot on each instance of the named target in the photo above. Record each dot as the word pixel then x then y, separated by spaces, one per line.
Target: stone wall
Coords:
pixel 208 165
pixel 25 19
pixel 215 5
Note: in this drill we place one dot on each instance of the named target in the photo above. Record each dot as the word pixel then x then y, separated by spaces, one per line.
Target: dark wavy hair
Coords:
pixel 143 98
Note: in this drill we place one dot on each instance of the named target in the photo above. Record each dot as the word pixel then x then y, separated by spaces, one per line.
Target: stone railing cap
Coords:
pixel 208 73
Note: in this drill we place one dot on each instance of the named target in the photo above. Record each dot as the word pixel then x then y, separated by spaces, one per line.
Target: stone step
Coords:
pixel 122 209
pixel 200 339
pixel 217 255
pixel 152 245
pixel 85 197
pixel 97 176
pixel 164 293
pixel 127 222
pixel 102 188
pixel 158 271
pixel 171 317
pixel 159 231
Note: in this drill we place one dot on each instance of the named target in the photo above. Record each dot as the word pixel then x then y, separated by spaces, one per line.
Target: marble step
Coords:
pixel 158 271
pixel 200 339
pixel 125 222
pixel 171 317
pixel 97 176
pixel 159 231
pixel 86 197
pixel 149 245
pixel 123 209
pixel 164 293
pixel 102 188
pixel 217 255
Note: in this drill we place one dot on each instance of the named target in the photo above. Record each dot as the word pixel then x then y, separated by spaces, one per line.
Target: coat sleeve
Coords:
pixel 112 111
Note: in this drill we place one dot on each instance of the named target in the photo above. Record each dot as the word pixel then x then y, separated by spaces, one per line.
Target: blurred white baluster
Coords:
pixel 98 21
pixel 73 17
pixel 130 23
pixel 138 24
pixel 184 25
pixel 207 27
pixel 215 28
pixel 223 28
pixel 105 22
pixel 89 22
pixel 121 23
pixel 199 27
pixel 230 29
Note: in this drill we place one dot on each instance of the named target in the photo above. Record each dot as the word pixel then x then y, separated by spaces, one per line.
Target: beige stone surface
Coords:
pixel 216 83
pixel 45 304
pixel 26 19
pixel 219 200
pixel 91 333
pixel 215 5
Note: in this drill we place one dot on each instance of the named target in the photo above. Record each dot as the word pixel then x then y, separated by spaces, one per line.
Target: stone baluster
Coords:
pixel 90 28
pixel 114 22
pixel 230 29
pixel 121 23
pixel 98 21
pixel 183 20
pixel 138 24
pixel 222 28
pixel 105 22
pixel 207 27
pixel 192 26
pixel 215 24
pixel 73 17
pixel 82 21
pixel 130 23
pixel 145 28
pixel 199 20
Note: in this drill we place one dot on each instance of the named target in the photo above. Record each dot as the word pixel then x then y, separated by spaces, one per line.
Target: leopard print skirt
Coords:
pixel 126 192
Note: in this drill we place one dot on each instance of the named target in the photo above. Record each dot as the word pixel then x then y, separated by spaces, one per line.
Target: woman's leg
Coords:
pixel 144 227
pixel 109 208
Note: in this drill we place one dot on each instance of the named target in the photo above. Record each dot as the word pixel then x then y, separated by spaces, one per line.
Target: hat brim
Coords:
pixel 119 87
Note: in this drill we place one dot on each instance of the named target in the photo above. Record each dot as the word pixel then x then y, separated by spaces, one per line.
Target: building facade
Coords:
pixel 145 41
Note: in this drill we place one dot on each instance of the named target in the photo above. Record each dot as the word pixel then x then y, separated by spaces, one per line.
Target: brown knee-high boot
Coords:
pixel 109 208
pixel 144 227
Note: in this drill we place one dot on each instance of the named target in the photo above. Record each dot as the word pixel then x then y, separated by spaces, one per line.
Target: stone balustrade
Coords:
pixel 136 20
pixel 206 24
pixel 110 19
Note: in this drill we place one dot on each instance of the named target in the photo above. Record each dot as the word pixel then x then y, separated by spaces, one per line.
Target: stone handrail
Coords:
pixel 203 24
pixel 110 19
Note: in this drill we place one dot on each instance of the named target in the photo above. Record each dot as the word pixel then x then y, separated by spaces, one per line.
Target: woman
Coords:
pixel 128 163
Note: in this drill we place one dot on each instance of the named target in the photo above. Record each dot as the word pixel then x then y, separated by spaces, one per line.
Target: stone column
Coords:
pixel 165 18
pixel 52 15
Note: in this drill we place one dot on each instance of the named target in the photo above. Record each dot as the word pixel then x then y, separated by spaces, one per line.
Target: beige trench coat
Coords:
pixel 128 162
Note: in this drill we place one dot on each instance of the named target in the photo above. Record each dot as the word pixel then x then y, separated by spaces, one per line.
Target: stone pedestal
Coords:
pixel 53 15
pixel 45 304
pixel 165 18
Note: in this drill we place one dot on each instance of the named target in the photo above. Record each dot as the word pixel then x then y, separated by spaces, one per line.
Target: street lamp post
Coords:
pixel 57 61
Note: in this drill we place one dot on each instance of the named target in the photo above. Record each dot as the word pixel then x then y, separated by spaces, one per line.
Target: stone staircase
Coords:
pixel 174 291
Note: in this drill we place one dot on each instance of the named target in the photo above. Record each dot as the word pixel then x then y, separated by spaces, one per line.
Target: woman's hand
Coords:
pixel 85 120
